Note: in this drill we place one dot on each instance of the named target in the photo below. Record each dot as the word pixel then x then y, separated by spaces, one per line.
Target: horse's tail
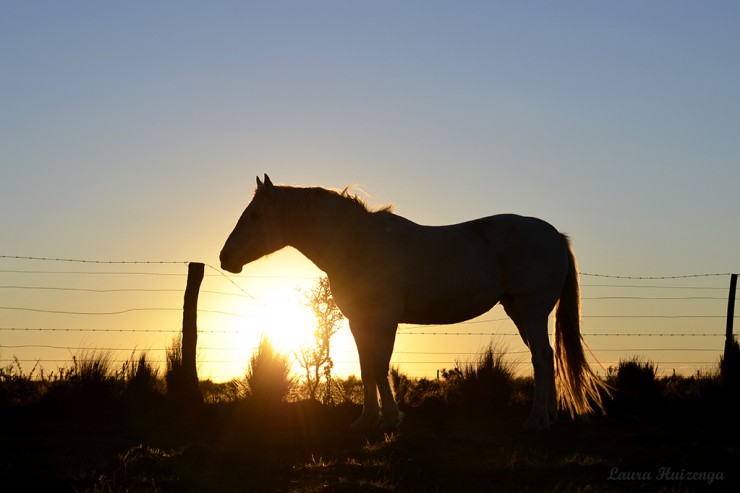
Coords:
pixel 579 389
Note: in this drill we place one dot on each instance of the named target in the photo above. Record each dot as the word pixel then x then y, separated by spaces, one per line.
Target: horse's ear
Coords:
pixel 265 186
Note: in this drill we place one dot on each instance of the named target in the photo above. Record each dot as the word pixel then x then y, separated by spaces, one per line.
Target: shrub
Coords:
pixel 215 393
pixel 94 368
pixel 175 374
pixel 17 387
pixel 141 379
pixel 636 377
pixel 416 392
pixel 349 390
pixel 636 387
pixel 402 386
pixel 89 389
pixel 485 383
pixel 269 374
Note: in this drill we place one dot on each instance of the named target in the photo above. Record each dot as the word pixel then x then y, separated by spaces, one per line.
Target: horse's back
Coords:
pixel 488 242
pixel 530 252
pixel 511 228
pixel 470 266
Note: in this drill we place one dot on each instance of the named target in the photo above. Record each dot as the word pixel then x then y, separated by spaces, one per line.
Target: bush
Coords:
pixel 416 392
pixel 349 390
pixel 269 374
pixel 88 389
pixel 402 386
pixel 175 374
pixel 637 389
pixel 486 383
pixel 141 379
pixel 18 388
pixel 215 393
pixel 636 378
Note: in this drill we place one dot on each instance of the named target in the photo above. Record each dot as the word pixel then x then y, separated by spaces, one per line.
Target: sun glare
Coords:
pixel 280 313
pixel 289 323
pixel 272 303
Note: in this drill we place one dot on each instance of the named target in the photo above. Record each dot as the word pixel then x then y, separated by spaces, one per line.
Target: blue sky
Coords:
pixel 134 130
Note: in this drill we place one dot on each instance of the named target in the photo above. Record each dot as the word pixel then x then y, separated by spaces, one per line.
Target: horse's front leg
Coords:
pixel 370 416
pixel 385 336
pixel 375 346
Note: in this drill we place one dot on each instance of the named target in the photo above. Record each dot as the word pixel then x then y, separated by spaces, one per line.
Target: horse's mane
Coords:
pixel 360 202
pixel 344 195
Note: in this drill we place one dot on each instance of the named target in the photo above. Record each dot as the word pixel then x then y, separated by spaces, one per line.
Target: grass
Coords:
pixel 96 427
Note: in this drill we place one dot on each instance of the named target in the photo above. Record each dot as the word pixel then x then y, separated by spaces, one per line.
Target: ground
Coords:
pixel 307 447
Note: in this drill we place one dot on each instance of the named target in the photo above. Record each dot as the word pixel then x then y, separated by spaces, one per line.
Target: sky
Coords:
pixel 134 131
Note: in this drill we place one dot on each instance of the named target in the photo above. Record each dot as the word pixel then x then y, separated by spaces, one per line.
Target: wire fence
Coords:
pixel 50 314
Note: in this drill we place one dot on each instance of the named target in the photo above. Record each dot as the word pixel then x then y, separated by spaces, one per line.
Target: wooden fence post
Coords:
pixel 729 339
pixel 190 332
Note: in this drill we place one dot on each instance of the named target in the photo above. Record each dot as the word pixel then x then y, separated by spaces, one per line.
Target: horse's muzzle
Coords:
pixel 228 264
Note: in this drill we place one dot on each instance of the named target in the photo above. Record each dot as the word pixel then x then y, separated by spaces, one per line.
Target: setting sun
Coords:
pixel 271 304
pixel 287 321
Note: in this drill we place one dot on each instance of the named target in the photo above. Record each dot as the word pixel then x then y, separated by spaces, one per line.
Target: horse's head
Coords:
pixel 257 233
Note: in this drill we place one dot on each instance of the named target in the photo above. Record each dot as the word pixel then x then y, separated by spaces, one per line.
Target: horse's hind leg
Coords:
pixel 513 312
pixel 532 325
pixel 544 405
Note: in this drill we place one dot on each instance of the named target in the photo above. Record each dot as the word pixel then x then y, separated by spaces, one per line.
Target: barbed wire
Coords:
pixel 89 261
pixel 238 349
pixel 163 331
pixel 657 278
pixel 228 278
pixel 585 334
pixel 184 262
pixel 114 290
pixel 403 331
pixel 452 363
pixel 653 298
pixel 115 312
pixel 96 273
pixel 223 293
pixel 399 333
pixel 652 286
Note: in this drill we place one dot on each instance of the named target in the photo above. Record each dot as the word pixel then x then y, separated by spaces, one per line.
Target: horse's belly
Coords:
pixel 447 309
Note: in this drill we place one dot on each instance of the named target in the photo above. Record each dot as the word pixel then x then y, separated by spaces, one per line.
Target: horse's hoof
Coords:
pixel 366 423
pixel 537 423
pixel 390 427
pixel 392 423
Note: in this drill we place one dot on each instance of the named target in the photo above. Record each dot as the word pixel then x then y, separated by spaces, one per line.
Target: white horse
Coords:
pixel 385 270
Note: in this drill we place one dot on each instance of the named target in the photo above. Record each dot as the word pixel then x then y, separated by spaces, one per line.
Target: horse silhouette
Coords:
pixel 385 270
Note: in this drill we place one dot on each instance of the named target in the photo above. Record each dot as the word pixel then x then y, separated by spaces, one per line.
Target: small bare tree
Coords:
pixel 316 359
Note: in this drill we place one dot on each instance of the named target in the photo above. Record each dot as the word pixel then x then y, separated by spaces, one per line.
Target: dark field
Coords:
pixel 683 438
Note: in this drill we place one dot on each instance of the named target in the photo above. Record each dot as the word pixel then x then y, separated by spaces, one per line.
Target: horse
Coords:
pixel 384 269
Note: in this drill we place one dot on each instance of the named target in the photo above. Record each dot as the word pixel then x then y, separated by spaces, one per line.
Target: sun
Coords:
pixel 288 322
pixel 280 313
pixel 231 326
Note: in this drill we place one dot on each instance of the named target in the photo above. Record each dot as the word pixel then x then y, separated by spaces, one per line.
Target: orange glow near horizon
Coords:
pixel 274 306
pixel 53 312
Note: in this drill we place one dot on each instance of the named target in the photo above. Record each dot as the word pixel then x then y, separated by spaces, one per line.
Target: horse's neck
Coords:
pixel 325 232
